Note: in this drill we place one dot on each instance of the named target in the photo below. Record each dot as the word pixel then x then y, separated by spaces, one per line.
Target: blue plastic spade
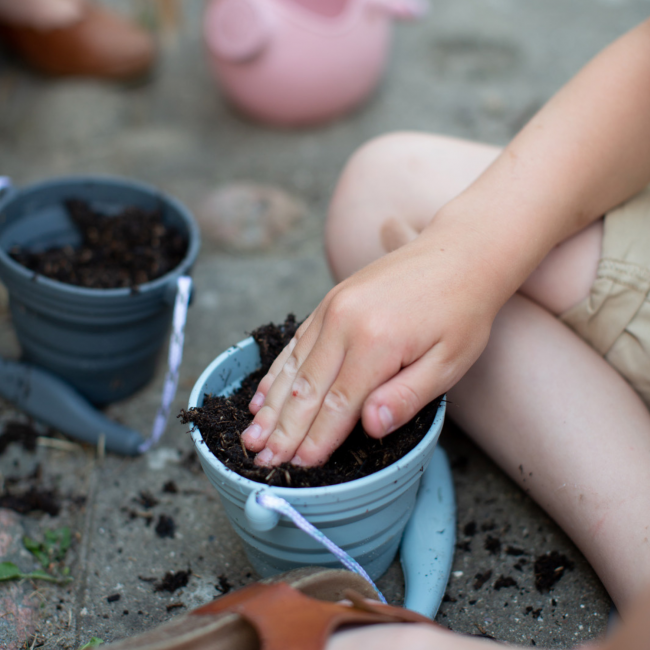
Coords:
pixel 427 549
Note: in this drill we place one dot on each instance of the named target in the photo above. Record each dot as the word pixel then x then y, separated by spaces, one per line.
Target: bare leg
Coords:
pixel 394 185
pixel 632 635
pixel 371 212
pixel 535 376
pixel 549 409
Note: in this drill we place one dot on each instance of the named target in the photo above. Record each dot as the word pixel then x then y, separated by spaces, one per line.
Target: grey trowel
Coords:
pixel 52 401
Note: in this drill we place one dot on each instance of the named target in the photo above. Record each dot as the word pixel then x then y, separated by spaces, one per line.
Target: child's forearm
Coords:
pixel 586 150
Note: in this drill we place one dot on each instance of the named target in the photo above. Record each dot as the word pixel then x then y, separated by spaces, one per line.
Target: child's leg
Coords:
pixel 631 635
pixel 551 412
pixel 539 396
pixel 371 211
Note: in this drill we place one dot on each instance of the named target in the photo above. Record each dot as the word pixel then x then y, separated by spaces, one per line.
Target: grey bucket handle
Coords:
pixel 5 185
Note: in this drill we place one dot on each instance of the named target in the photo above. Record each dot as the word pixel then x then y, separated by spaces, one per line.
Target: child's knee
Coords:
pixel 371 168
pixel 365 211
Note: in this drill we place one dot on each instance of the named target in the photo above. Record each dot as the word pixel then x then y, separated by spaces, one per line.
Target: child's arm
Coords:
pixel 404 329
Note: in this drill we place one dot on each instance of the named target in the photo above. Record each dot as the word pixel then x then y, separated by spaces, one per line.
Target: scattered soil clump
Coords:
pixel 492 545
pixel 34 499
pixel 470 529
pixel 503 582
pixel 173 580
pixel 481 578
pixel 146 500
pixel 223 585
pixel 513 550
pixel 549 568
pixel 20 432
pixel 170 487
pixel 221 421
pixel 117 251
pixel 166 527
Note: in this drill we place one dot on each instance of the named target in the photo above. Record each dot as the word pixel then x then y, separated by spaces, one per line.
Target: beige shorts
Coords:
pixel 615 318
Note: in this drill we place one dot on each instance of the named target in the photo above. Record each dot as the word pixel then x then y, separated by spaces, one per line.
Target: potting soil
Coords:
pixel 222 420
pixel 117 251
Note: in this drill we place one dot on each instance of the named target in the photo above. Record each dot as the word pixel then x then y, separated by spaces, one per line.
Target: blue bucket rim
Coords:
pixel 202 449
pixel 194 237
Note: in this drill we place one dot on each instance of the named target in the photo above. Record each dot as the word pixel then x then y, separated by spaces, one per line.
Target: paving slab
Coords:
pixel 474 69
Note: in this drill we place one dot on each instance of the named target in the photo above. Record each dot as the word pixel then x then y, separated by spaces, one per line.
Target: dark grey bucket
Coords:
pixel 104 342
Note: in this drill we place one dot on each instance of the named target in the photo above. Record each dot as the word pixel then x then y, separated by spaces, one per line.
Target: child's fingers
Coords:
pixel 342 403
pixel 332 414
pixel 265 422
pixel 265 384
pixel 267 381
pixel 296 398
pixel 399 399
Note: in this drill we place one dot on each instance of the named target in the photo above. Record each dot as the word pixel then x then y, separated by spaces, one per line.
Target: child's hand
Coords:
pixel 381 345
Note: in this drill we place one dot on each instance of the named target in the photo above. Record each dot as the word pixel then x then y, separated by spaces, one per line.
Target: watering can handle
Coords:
pixel 401 9
pixel 236 31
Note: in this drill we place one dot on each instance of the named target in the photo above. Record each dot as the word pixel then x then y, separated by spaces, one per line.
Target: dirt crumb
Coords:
pixel 503 582
pixel 173 580
pixel 492 545
pixel 166 527
pixel 481 578
pixel 549 568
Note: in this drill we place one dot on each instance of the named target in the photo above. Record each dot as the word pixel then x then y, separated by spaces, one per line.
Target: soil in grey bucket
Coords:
pixel 104 342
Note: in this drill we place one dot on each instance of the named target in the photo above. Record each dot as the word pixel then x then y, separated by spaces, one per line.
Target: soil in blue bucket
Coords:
pixel 221 421
pixel 120 250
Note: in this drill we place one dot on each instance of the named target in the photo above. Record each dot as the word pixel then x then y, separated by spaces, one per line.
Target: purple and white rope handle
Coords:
pixel 184 289
pixel 283 507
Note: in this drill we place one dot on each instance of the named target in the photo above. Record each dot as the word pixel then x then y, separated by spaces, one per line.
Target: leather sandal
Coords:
pixel 297 610
pixel 101 44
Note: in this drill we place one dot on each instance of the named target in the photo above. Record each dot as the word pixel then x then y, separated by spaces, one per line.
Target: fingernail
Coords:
pixel 297 461
pixel 264 457
pixel 253 432
pixel 386 418
pixel 258 399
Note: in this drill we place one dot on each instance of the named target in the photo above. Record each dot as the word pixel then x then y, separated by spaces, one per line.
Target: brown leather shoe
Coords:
pixel 297 610
pixel 101 44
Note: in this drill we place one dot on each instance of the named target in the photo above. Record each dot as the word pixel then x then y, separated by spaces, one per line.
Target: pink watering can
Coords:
pixel 300 62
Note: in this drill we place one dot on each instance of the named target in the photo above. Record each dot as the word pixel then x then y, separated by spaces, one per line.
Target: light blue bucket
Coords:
pixel 365 517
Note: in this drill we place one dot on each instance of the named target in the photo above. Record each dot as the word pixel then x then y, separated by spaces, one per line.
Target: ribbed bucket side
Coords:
pixel 365 517
pixel 105 342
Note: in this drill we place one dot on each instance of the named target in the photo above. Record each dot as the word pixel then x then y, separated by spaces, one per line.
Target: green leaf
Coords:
pixel 53 548
pixel 39 574
pixel 9 571
pixel 93 643
pixel 65 539
pixel 37 550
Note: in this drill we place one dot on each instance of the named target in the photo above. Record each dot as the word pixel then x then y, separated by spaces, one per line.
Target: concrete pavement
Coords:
pixel 474 69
